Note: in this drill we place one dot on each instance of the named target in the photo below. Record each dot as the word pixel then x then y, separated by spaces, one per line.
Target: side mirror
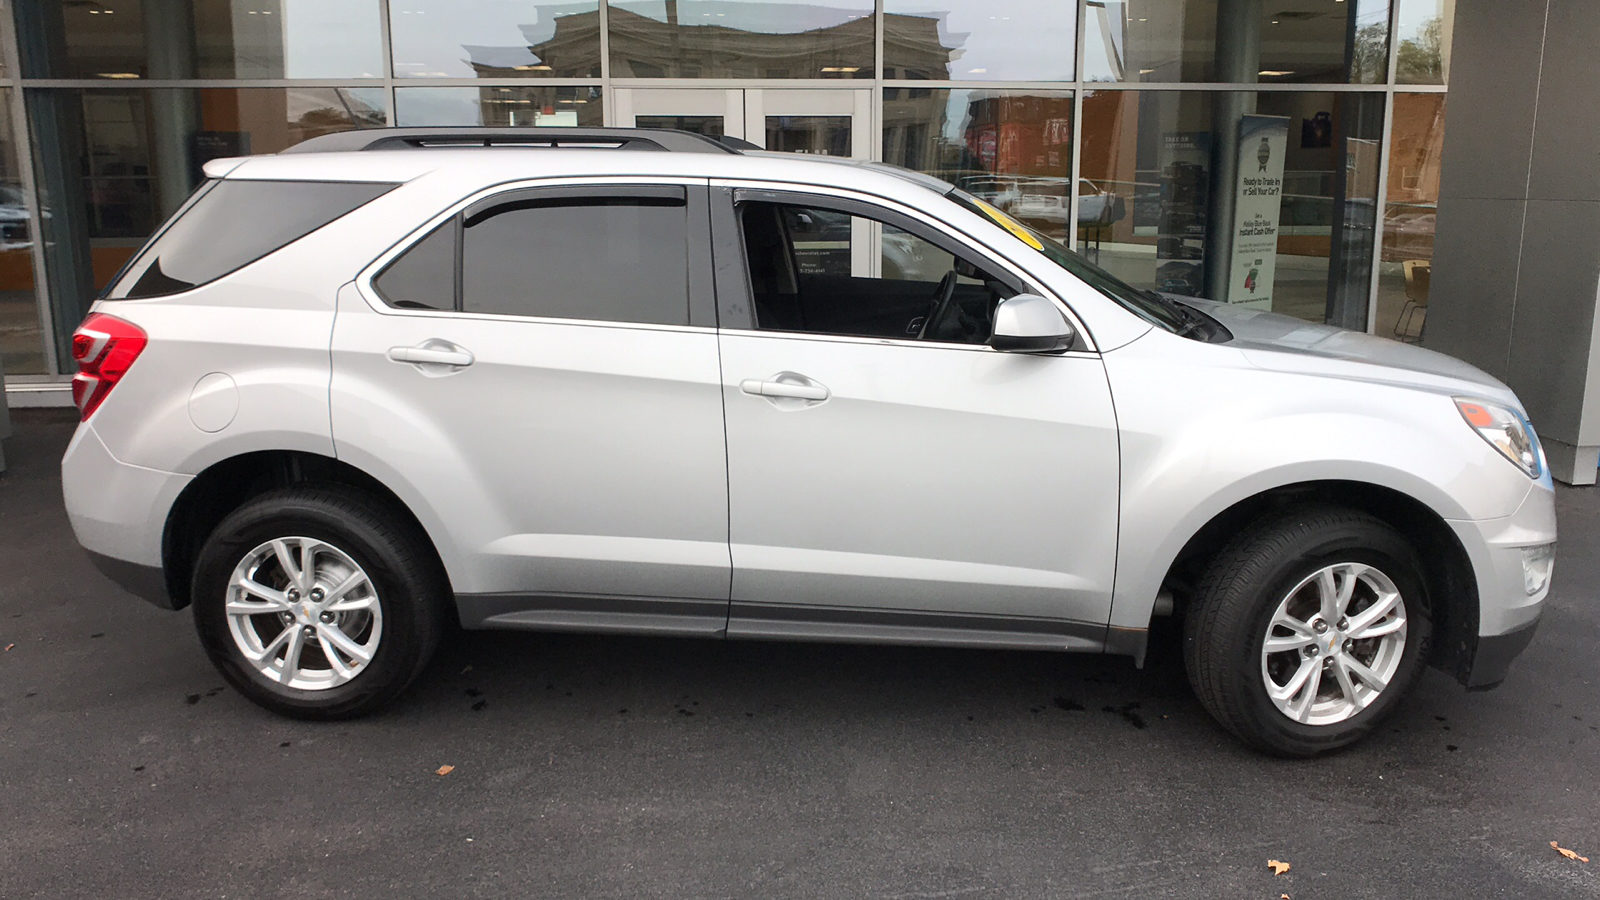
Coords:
pixel 1028 323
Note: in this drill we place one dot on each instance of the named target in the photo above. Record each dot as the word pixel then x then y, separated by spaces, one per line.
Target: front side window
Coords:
pixel 827 271
pixel 232 223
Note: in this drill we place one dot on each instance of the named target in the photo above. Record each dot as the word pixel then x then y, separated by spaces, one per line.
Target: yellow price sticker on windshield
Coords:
pixel 1010 224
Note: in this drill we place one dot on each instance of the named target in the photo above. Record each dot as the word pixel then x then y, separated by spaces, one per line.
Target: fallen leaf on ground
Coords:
pixel 1567 853
pixel 1277 867
pixel 9 646
pixel 445 770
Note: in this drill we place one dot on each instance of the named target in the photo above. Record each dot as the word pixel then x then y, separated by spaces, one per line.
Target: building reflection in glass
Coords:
pixel 979 40
pixel 131 39
pixel 495 39
pixel 741 39
pixel 1011 148
pixel 1326 41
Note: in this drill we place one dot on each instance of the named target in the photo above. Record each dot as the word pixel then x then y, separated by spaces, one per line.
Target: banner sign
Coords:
pixel 1258 199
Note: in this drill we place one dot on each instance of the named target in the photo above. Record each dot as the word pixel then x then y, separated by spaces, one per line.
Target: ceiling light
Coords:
pixel 1275 72
pixel 119 74
pixel 841 69
pixel 539 68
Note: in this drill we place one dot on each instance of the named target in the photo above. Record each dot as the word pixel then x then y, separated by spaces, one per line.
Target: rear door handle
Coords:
pixel 433 352
pixel 785 384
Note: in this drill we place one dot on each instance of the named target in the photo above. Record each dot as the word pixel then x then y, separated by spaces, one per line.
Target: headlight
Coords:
pixel 1507 430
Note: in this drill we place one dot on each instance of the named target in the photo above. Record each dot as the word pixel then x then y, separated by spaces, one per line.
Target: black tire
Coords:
pixel 1228 620
pixel 399 562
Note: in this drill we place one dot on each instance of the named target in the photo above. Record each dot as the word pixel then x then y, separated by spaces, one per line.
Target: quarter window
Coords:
pixel 423 277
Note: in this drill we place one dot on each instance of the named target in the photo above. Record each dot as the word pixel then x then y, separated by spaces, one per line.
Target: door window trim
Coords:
pixel 702 300
pixel 734 293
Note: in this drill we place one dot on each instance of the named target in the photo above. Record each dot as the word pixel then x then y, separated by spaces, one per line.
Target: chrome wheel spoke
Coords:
pixel 1300 634
pixel 1360 670
pixel 268 600
pixel 268 653
pixel 291 568
pixel 1308 696
pixel 1328 594
pixel 1341 672
pixel 1287 690
pixel 1362 623
pixel 335 601
pixel 291 654
pixel 1281 643
pixel 334 637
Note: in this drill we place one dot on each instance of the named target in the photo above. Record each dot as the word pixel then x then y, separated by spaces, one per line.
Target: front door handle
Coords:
pixel 433 353
pixel 787 385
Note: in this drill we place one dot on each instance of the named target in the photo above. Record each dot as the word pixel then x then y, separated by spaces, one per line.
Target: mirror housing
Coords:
pixel 1028 323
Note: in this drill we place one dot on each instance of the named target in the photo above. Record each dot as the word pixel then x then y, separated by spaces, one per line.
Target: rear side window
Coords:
pixel 236 222
pixel 607 258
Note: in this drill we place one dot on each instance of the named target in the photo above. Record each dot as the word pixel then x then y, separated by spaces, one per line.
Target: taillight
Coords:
pixel 104 347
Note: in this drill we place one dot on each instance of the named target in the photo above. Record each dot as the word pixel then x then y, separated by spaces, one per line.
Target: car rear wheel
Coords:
pixel 1307 631
pixel 315 602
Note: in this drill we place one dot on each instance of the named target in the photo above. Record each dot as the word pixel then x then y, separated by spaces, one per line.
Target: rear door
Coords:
pixel 536 374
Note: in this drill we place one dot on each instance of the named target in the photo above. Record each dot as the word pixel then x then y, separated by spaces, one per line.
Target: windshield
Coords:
pixel 1153 308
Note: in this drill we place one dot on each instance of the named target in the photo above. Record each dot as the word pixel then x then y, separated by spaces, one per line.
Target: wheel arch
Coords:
pixel 1450 578
pixel 227 484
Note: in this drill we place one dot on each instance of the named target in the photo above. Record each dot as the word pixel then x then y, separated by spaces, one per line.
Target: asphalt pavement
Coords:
pixel 632 768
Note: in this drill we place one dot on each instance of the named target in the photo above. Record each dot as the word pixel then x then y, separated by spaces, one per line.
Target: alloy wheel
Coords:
pixel 1334 643
pixel 303 613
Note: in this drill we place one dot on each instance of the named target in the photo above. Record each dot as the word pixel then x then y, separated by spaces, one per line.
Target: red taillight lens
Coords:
pixel 104 347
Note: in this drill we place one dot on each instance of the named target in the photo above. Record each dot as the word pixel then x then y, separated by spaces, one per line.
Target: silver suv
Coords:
pixel 636 381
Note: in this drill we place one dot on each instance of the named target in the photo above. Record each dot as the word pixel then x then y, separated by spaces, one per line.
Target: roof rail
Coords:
pixel 605 138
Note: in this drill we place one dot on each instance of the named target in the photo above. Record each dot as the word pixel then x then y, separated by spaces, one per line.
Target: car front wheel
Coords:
pixel 1306 632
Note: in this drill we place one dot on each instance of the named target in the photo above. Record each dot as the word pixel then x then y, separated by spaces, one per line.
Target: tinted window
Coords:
pixel 235 223
pixel 615 259
pixel 825 271
pixel 423 277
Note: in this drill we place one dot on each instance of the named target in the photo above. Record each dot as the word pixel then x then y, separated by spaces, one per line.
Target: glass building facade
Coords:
pixel 1283 153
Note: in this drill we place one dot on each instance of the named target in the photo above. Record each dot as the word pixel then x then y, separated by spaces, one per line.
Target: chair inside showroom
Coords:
pixel 1415 312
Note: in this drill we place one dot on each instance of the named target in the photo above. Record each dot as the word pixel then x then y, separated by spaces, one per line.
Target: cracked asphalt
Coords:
pixel 631 767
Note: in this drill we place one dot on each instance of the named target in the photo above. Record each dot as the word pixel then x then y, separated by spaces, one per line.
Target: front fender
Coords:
pixel 1234 432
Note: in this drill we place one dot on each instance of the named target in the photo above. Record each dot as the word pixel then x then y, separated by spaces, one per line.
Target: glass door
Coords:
pixel 825 122
pixel 711 112
pixel 829 123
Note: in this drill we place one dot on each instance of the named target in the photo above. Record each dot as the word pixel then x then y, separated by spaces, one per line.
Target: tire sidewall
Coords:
pixel 263 520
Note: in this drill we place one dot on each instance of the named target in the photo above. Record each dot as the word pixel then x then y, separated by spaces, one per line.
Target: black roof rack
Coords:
pixel 605 138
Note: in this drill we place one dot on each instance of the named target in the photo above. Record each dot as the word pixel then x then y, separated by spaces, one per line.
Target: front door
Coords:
pixel 890 476
pixel 793 120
